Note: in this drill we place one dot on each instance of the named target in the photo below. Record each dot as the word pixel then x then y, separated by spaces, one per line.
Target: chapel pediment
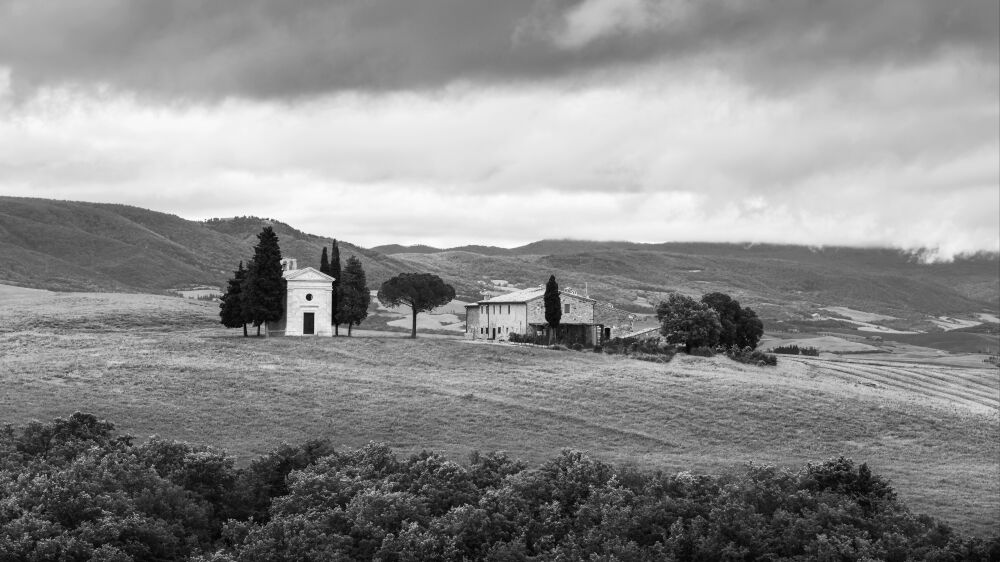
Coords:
pixel 306 274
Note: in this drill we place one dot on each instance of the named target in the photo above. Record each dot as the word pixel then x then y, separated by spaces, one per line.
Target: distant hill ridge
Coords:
pixel 76 246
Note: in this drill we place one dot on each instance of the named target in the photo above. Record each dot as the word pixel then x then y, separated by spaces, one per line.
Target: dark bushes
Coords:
pixel 702 351
pixel 750 356
pixel 795 350
pixel 73 491
pixel 642 349
pixel 525 338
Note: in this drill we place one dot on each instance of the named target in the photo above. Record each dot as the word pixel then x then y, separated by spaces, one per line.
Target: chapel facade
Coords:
pixel 308 302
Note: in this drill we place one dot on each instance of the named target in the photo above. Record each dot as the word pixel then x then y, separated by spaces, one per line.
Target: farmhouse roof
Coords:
pixel 306 273
pixel 528 295
pixel 524 295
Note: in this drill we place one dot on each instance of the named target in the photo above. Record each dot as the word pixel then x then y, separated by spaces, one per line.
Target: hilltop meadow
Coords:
pixel 162 365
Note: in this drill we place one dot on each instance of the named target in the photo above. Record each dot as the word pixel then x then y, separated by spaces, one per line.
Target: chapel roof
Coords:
pixel 309 273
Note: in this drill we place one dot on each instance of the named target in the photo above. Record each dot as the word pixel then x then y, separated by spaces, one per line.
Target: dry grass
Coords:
pixel 161 365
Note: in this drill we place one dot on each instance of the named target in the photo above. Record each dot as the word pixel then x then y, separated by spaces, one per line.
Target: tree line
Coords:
pixel 73 490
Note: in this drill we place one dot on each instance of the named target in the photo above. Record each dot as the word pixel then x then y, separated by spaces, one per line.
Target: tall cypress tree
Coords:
pixel 231 307
pixel 553 306
pixel 336 274
pixel 324 262
pixel 354 294
pixel 265 287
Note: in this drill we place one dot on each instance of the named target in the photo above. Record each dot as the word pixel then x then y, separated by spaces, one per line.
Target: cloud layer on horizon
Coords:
pixel 451 122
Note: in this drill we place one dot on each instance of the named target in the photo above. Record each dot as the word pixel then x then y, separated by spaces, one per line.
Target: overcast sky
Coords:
pixel 450 122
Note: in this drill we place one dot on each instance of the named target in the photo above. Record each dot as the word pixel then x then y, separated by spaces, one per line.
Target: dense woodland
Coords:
pixel 73 489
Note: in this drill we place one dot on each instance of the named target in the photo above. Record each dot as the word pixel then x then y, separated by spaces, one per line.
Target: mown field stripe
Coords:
pixel 918 388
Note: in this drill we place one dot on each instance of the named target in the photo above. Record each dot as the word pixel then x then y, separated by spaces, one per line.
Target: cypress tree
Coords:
pixel 354 295
pixel 553 306
pixel 265 286
pixel 324 262
pixel 231 307
pixel 245 295
pixel 336 274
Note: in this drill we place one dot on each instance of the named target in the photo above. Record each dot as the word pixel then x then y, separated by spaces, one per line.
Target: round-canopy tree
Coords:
pixel 687 321
pixel 420 291
pixel 740 325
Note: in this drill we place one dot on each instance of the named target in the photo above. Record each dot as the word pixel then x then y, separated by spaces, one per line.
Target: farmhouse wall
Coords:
pixel 498 321
pixel 581 310
pixel 472 322
pixel 619 322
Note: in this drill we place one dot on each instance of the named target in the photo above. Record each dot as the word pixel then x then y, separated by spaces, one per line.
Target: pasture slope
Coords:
pixel 162 365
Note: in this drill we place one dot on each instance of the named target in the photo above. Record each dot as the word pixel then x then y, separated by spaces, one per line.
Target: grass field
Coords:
pixel 163 365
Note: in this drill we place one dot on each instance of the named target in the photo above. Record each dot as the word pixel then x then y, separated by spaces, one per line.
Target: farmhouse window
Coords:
pixel 508 309
pixel 566 308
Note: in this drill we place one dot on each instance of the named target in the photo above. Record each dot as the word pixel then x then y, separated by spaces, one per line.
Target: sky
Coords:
pixel 452 122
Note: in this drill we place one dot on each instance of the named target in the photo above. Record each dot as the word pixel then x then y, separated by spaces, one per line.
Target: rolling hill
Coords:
pixel 787 278
pixel 75 246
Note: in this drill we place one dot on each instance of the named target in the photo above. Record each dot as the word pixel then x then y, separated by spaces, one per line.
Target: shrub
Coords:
pixel 632 346
pixel 110 499
pixel 794 349
pixel 598 349
pixel 515 338
pixel 750 356
pixel 653 357
pixel 577 347
pixel 702 351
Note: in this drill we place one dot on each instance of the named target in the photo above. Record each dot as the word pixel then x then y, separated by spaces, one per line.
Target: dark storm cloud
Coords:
pixel 294 48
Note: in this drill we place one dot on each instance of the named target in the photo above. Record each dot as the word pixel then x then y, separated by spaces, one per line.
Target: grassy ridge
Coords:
pixel 160 365
pixel 88 246
pixel 788 279
pixel 75 246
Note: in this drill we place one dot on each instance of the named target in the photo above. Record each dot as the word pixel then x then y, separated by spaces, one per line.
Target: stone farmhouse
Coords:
pixel 584 319
pixel 308 302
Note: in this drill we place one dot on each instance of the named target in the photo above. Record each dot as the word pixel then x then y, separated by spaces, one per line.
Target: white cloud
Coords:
pixel 904 157
pixel 595 19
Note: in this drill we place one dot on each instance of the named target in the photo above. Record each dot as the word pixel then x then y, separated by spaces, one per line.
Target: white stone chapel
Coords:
pixel 308 302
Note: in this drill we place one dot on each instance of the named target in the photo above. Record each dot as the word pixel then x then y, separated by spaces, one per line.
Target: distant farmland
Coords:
pixel 163 365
